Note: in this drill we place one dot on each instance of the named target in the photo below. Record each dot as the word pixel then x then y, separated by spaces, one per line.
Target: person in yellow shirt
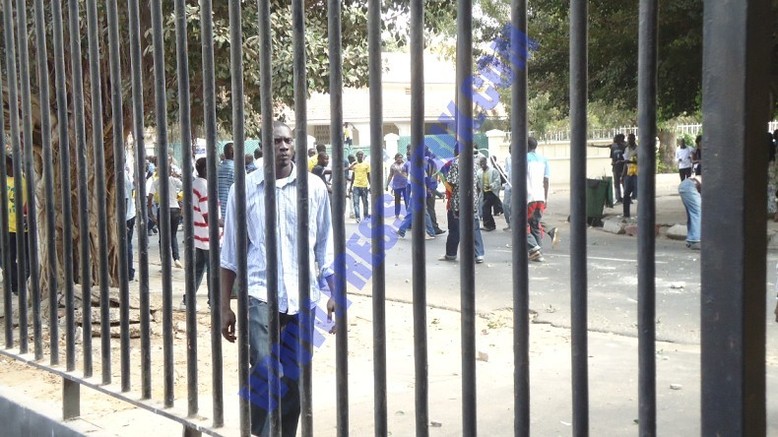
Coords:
pixel 13 208
pixel 313 156
pixel 312 159
pixel 360 185
pixel 348 139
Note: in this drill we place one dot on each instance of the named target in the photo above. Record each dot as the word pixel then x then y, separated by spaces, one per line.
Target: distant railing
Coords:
pixel 609 133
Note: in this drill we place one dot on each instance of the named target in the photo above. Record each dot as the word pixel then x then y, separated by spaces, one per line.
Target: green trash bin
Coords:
pixel 599 192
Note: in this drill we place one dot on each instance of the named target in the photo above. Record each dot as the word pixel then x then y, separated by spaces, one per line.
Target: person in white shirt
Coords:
pixel 129 208
pixel 683 156
pixel 321 255
pixel 538 174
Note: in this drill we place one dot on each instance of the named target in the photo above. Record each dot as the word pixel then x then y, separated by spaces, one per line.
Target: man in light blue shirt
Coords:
pixel 226 176
pixel 321 255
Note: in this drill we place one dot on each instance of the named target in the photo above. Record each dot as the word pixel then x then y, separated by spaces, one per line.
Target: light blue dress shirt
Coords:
pixel 321 250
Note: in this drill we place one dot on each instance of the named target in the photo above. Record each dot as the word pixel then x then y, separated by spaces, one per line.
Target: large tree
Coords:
pixel 355 70
pixel 612 52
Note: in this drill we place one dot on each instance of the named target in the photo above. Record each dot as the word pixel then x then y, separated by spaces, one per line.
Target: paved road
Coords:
pixel 612 275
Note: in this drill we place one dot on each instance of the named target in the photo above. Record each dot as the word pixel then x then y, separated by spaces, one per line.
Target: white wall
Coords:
pixel 598 162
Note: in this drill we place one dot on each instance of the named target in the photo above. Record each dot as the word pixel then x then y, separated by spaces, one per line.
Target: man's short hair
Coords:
pixel 257 153
pixel 200 166
pixel 321 148
pixel 228 149
pixel 532 143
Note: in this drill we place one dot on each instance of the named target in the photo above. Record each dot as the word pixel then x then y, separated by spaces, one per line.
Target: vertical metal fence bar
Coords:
pixel 13 107
pixel 736 45
pixel 305 322
pixel 647 79
pixel 578 267
pixel 467 214
pixel 65 181
pixel 31 252
pixel 182 65
pixel 77 91
pixel 377 241
pixel 119 159
pixel 98 149
pixel 238 136
pixel 271 240
pixel 163 165
pixel 4 234
pixel 48 177
pixel 418 250
pixel 209 100
pixel 339 209
pixel 142 212
pixel 521 387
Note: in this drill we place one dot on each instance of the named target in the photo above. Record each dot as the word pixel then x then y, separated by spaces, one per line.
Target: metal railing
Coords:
pixel 608 134
pixel 733 390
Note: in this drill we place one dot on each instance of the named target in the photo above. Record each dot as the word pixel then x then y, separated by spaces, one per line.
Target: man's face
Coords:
pixel 482 163
pixel 631 139
pixel 282 140
pixel 325 160
pixel 360 156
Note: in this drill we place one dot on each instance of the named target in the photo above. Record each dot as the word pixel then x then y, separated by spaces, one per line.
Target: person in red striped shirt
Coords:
pixel 200 219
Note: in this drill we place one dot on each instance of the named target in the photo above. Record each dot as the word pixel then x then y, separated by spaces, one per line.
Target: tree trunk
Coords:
pixel 667 141
pixel 93 212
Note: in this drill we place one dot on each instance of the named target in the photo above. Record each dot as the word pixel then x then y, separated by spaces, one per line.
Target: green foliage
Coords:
pixel 542 115
pixel 612 54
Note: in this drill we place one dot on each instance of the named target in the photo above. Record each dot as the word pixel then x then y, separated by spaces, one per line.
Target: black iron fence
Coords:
pixel 44 130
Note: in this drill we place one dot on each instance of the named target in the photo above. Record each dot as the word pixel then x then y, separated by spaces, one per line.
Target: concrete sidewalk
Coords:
pixel 670 212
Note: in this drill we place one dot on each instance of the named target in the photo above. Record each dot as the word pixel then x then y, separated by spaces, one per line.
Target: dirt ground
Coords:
pixel 106 415
pixel 613 378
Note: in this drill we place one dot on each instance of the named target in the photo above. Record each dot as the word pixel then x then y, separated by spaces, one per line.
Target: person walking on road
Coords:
pixel 488 186
pixel 361 186
pixel 455 205
pixel 398 182
pixel 538 174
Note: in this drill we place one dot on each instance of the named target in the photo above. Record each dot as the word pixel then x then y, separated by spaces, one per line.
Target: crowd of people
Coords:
pixel 490 179
pixel 624 165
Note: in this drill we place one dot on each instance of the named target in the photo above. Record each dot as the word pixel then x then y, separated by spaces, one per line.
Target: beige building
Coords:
pixel 439 92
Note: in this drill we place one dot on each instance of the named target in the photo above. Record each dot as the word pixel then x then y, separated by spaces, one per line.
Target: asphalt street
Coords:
pixel 612 274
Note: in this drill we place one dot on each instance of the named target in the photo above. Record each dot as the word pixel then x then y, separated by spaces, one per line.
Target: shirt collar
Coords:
pixel 259 177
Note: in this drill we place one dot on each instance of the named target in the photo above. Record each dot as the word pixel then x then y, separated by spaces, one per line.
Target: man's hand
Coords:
pixel 330 311
pixel 228 324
